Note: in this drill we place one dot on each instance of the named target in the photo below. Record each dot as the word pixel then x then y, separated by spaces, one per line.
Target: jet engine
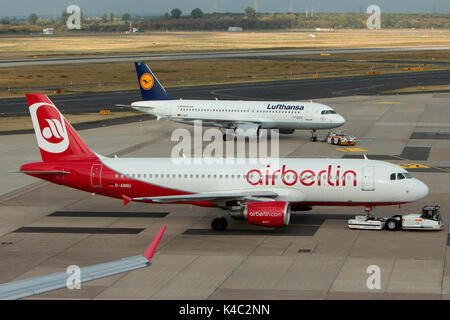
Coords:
pixel 266 214
pixel 248 130
pixel 287 131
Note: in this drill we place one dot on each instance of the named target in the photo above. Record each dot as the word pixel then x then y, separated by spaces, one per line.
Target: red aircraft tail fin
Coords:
pixel 55 136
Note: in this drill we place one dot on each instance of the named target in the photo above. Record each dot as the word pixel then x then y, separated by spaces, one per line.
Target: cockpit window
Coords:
pixel 401 176
pixel 328 112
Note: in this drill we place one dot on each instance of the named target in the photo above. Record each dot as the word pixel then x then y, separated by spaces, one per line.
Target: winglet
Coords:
pixel 148 253
pixel 126 199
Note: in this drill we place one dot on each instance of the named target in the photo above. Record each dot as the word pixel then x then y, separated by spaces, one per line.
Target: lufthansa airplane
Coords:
pixel 262 195
pixel 250 116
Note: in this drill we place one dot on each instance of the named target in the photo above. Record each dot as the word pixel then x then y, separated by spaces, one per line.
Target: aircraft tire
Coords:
pixel 392 225
pixel 219 224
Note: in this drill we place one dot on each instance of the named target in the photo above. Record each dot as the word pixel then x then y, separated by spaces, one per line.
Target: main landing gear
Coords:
pixel 368 209
pixel 228 136
pixel 391 224
pixel 219 224
pixel 313 135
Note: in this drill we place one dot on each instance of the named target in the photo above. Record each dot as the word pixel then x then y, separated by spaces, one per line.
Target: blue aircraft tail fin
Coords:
pixel 150 87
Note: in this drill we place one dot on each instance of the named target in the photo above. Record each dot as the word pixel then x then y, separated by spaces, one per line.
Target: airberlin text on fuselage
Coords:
pixel 265 214
pixel 305 177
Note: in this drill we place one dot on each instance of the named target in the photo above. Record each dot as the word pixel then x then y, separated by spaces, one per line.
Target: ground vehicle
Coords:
pixel 340 138
pixel 429 219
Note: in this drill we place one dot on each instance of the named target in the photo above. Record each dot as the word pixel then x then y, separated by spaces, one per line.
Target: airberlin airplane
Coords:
pixel 263 195
pixel 250 116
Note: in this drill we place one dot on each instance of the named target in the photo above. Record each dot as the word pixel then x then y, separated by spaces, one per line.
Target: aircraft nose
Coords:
pixel 340 120
pixel 421 190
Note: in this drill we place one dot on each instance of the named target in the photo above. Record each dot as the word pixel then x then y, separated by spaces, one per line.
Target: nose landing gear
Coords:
pixel 313 135
pixel 368 209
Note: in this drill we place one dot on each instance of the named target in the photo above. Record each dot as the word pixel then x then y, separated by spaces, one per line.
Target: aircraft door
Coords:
pixel 308 114
pixel 167 113
pixel 368 179
pixel 96 175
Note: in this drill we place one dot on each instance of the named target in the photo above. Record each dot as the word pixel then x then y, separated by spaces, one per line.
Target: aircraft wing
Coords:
pixel 245 195
pixel 248 126
pixel 231 123
pixel 236 124
pixel 28 287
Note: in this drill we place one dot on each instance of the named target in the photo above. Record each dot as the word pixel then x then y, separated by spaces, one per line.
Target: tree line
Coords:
pixel 248 20
pixel 252 20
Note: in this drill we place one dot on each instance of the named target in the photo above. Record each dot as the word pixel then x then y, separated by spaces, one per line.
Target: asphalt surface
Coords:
pixel 208 55
pixel 303 89
pixel 393 61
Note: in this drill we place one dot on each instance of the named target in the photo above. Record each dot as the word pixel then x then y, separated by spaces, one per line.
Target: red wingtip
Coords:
pixel 148 253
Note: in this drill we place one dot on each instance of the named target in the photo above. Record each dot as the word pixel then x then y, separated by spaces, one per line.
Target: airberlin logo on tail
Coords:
pixel 146 81
pixel 50 127
pixel 54 130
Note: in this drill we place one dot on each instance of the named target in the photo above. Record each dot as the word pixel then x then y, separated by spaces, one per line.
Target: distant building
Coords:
pixel 48 31
pixel 234 29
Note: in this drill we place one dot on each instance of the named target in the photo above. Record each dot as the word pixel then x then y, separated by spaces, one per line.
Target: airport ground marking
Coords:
pixel 413 166
pixel 351 149
pixel 437 168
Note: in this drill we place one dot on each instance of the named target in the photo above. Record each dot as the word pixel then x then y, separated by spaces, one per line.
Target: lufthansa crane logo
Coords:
pixel 147 81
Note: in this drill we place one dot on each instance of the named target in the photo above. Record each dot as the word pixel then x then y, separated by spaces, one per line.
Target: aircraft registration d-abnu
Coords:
pixel 249 116
pixel 262 195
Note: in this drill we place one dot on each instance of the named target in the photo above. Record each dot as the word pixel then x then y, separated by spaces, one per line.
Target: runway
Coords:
pixel 45 227
pixel 303 89
pixel 209 55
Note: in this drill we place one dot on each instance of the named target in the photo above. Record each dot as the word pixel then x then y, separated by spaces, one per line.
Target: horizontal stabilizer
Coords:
pixel 134 106
pixel 123 105
pixel 41 172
